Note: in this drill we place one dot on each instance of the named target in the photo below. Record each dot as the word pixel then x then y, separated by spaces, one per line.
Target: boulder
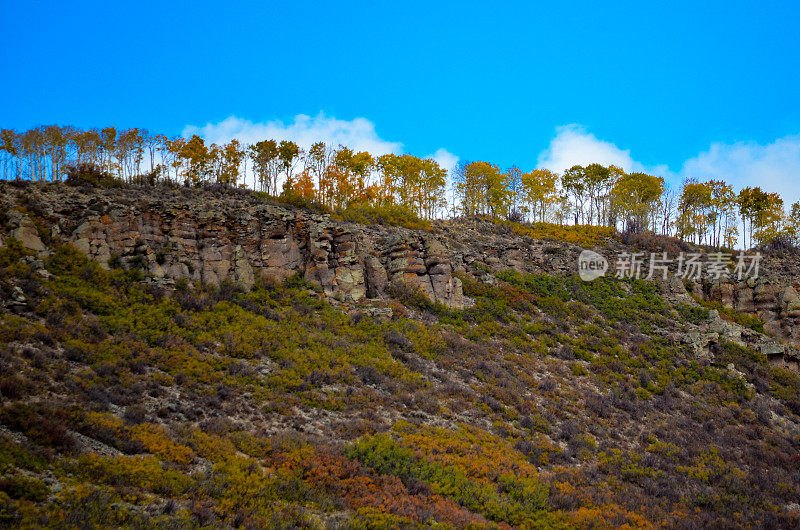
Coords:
pixel 28 235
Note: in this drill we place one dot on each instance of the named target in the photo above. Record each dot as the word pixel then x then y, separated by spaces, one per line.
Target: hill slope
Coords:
pixel 196 358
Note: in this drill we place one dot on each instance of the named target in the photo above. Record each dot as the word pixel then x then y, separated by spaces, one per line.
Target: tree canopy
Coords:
pixel 701 211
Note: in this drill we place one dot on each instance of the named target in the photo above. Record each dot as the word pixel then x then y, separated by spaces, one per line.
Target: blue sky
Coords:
pixel 676 87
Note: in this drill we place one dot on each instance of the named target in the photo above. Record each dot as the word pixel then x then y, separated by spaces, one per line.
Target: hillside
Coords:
pixel 182 357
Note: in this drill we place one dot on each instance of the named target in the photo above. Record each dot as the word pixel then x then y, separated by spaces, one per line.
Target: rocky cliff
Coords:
pixel 227 235
pixel 231 236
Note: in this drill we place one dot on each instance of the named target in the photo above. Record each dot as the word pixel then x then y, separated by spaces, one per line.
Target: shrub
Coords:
pixel 12 251
pixel 11 387
pixel 298 201
pixel 19 487
pixel 89 506
pixel 149 178
pixel 412 296
pixel 625 302
pixel 785 385
pixel 66 259
pixel 743 319
pixel 13 455
pixel 155 440
pixel 513 499
pixel 652 242
pixel 88 174
pixel 583 235
pixel 388 215
pixel 144 472
pixel 779 245
pixel 691 313
pixel 42 425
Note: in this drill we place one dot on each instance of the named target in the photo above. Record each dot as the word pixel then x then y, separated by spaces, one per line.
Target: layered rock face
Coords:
pixel 211 237
pixel 776 302
pixel 219 236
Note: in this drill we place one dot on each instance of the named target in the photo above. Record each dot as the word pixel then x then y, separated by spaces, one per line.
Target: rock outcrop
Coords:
pixel 774 300
pixel 175 234
pixel 227 236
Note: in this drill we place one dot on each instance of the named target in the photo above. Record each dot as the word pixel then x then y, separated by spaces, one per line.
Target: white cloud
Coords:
pixel 775 167
pixel 358 134
pixel 445 159
pixel 573 145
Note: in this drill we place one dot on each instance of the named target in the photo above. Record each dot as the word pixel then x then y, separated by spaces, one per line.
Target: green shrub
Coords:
pixel 297 281
pixel 691 313
pixel 66 259
pixel 16 456
pixel 628 301
pixel 785 385
pixel 412 296
pixel 388 215
pixel 88 174
pixel 19 487
pixel 297 201
pixel 521 502
pixel 12 251
pixel 144 472
pixel 583 235
pixel 743 319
